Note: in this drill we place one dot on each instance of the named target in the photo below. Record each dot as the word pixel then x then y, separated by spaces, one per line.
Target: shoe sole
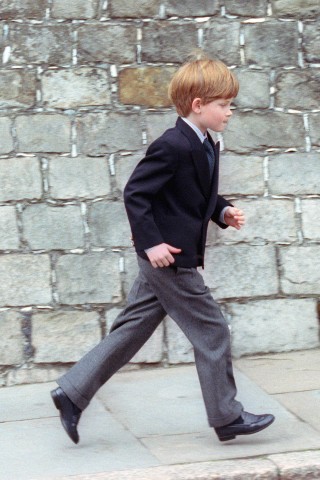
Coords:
pixel 232 436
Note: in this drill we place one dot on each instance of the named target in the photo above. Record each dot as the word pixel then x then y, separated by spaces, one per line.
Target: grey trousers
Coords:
pixel 182 294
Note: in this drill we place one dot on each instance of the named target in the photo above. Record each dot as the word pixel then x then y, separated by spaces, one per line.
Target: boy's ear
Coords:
pixel 196 105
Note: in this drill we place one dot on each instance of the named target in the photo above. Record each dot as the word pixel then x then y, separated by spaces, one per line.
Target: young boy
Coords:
pixel 170 199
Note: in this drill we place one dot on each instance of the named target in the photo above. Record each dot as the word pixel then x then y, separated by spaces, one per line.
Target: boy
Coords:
pixel 170 198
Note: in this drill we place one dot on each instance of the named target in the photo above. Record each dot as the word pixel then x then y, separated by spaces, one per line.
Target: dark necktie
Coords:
pixel 210 155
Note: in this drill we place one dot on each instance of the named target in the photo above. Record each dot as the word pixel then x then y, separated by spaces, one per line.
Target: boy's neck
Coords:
pixel 192 117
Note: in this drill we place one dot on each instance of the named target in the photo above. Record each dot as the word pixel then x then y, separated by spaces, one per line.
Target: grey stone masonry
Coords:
pixel 6 144
pixel 257 8
pixel 93 278
pixel 106 133
pixel 107 43
pixel 17 88
pixel 25 280
pixel 80 177
pixel 250 131
pixel 83 93
pixel 134 8
pixel 23 9
pixel 159 41
pixel 303 8
pixel 20 178
pixel 9 239
pixel 53 228
pixel 282 41
pixel 64 336
pixel 192 8
pixel 44 133
pixel 75 9
pixel 12 339
pixel 74 88
pixel 38 44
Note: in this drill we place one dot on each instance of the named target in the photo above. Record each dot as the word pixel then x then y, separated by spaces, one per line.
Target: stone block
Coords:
pixel 221 40
pixel 300 270
pixel 241 271
pixel 315 129
pixel 12 339
pixel 241 175
pixel 38 44
pixel 124 167
pixel 254 131
pixel 54 334
pixel 17 88
pixel 131 269
pixel 13 9
pixel 25 280
pixel 159 42
pixel 282 41
pixel 293 88
pixel 5 132
pixel 88 278
pixel 74 9
pixel 304 175
pixel 35 374
pixel 258 8
pixel 157 123
pixel 107 43
pixel 134 8
pixel 267 219
pixel 100 133
pixel 109 225
pixel 50 228
pixel 152 350
pixel 80 177
pixel 44 133
pixel 9 239
pixel 254 89
pixel 311 42
pixel 145 86
pixel 75 88
pixel 179 348
pixel 20 178
pixel 192 8
pixel 277 325
pixel 310 211
pixel 295 8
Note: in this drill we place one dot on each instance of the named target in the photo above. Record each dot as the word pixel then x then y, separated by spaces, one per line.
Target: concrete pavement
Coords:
pixel 151 424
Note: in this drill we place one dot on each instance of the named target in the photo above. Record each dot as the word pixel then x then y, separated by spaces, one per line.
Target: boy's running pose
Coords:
pixel 170 198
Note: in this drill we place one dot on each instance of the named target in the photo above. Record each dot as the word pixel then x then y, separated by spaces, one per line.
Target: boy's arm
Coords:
pixel 221 205
pixel 150 175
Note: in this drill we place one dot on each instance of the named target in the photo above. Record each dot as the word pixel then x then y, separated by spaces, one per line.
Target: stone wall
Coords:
pixel 82 92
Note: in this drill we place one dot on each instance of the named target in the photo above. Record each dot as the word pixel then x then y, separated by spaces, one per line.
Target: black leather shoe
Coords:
pixel 69 413
pixel 247 424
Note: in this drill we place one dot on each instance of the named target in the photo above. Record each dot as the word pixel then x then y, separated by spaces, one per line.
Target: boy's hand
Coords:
pixel 160 255
pixel 234 217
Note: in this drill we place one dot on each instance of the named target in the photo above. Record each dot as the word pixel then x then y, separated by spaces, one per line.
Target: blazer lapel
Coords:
pixel 199 157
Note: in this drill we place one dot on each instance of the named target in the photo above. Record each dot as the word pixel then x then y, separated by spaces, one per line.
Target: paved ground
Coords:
pixel 151 424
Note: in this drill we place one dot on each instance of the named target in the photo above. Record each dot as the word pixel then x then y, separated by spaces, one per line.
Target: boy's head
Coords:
pixel 202 78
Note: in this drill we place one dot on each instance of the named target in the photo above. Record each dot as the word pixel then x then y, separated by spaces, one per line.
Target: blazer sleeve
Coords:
pixel 221 204
pixel 150 175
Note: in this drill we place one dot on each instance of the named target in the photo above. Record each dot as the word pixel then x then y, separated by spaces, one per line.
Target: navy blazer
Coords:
pixel 169 197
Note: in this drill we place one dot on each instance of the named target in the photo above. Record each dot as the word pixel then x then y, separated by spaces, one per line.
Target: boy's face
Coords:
pixel 214 115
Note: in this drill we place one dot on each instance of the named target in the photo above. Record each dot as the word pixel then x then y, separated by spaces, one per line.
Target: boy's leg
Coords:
pixel 130 331
pixel 182 293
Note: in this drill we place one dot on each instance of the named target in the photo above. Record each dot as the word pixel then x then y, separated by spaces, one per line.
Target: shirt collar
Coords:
pixel 196 129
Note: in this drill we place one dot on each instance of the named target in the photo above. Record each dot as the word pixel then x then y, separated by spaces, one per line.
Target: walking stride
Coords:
pixel 170 198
